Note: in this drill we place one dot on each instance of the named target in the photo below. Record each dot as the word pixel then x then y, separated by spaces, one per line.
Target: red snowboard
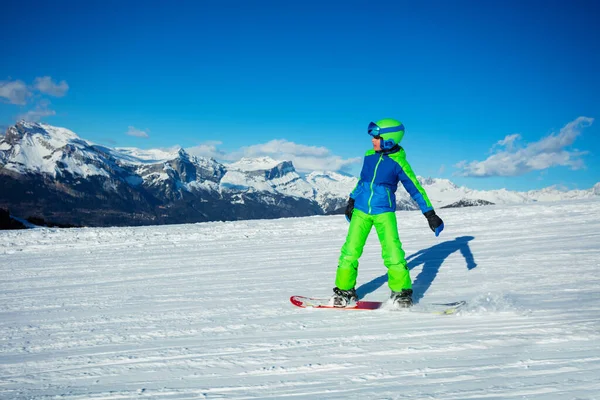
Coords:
pixel 307 302
pixel 433 308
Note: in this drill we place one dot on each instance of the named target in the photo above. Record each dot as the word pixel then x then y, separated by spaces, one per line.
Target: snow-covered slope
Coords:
pixel 135 156
pixel 201 311
pixel 40 148
pixel 247 164
pixel 331 188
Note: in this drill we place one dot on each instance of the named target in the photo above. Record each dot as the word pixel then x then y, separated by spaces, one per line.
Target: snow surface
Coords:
pixel 202 310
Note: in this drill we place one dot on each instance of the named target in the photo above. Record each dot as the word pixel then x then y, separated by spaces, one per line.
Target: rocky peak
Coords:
pixel 182 154
pixel 48 135
pixel 280 170
pixel 15 133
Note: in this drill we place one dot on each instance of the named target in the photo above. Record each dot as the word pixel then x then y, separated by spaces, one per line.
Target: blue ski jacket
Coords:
pixel 375 192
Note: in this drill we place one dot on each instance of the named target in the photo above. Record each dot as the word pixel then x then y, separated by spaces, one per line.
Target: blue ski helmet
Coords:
pixel 390 131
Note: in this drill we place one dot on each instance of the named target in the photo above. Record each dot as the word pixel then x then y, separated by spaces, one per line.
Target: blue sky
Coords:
pixel 493 94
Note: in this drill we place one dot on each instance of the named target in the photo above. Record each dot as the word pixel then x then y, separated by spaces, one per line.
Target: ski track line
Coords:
pixel 350 340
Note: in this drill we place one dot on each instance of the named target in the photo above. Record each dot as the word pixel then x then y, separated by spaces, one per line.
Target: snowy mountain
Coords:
pixel 52 173
pixel 266 175
pixel 34 148
pixel 442 192
pixel 331 189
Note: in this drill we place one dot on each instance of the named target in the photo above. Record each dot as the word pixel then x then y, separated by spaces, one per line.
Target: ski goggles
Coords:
pixel 375 131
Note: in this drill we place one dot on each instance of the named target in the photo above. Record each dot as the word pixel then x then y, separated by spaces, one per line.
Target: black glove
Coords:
pixel 435 223
pixel 349 209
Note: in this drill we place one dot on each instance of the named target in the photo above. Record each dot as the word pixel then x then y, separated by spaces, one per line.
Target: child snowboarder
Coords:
pixel 373 202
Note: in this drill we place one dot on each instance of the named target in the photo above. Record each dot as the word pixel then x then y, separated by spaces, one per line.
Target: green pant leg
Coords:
pixel 360 226
pixel 391 251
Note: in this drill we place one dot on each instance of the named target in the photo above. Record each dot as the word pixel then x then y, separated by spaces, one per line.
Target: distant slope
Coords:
pixel 468 203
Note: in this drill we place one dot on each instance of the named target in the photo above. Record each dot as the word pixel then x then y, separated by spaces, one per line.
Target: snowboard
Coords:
pixel 432 308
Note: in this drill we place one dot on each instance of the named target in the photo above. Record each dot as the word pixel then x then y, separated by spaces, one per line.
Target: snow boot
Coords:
pixel 343 298
pixel 402 299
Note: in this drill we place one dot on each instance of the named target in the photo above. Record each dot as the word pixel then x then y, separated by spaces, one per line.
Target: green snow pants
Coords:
pixel 391 250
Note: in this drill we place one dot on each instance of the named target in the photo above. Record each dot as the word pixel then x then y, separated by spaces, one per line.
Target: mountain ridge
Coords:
pixel 52 172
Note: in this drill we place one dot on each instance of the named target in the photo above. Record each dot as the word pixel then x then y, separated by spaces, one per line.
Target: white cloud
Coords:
pixel 329 163
pixel 508 142
pixel 305 158
pixel 208 150
pixel 46 85
pixel 550 151
pixel 282 146
pixel 16 92
pixel 133 131
pixel 42 110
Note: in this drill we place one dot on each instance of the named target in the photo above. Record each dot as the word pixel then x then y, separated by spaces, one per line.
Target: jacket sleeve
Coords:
pixel 413 187
pixel 368 153
pixel 354 190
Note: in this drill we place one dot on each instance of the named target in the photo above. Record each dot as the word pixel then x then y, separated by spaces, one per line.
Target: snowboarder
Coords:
pixel 373 202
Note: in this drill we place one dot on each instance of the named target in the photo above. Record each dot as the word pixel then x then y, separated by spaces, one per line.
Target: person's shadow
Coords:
pixel 432 260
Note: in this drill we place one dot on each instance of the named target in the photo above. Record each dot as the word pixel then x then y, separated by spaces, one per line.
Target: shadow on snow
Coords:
pixel 432 260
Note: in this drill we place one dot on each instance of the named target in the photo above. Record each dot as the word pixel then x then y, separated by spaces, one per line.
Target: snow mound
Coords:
pixel 493 302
